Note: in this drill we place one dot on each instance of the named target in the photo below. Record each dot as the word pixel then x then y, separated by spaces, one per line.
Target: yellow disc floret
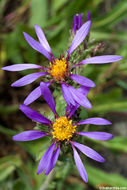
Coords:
pixel 63 129
pixel 59 69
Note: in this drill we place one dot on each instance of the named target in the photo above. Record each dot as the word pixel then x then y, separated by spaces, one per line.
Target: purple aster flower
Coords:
pixel 59 70
pixel 62 130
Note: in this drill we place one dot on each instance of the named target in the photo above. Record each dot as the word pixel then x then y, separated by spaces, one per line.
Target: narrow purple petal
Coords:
pixel 88 17
pixel 21 67
pixel 75 24
pixel 80 98
pixel 37 46
pixel 29 135
pixel 79 20
pixel 97 135
pixel 34 115
pixel 84 90
pixel 44 162
pixel 89 152
pixel 67 95
pixel 48 96
pixel 53 160
pixel 28 79
pixel 82 80
pixel 80 165
pixel 73 110
pixel 34 95
pixel 79 37
pixel 42 38
pixel 100 60
pixel 95 121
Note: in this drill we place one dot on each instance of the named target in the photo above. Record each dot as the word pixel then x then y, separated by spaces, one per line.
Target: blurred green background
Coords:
pixel 18 161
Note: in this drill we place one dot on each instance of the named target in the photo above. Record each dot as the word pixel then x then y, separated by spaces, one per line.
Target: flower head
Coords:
pixel 60 70
pixel 62 130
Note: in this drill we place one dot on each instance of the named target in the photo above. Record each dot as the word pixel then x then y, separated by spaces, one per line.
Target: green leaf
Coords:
pixel 122 84
pixel 98 177
pixel 60 104
pixel 8 109
pixel 8 164
pixel 25 179
pixel 33 147
pixel 117 144
pixel 112 96
pixel 38 12
pixel 18 185
pixel 7 131
pixel 115 106
pixel 112 16
pixel 57 4
pixel 12 48
pixel 108 35
pixel 62 172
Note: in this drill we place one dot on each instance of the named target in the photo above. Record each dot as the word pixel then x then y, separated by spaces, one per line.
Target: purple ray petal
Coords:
pixel 80 98
pixel 79 20
pixel 29 135
pixel 82 80
pixel 34 95
pixel 100 60
pixel 48 96
pixel 53 161
pixel 79 37
pixel 84 90
pixel 73 110
pixel 21 67
pixel 34 115
pixel 42 38
pixel 75 24
pixel 28 79
pixel 37 46
pixel 46 158
pixel 88 17
pixel 95 121
pixel 97 135
pixel 67 95
pixel 80 165
pixel 89 152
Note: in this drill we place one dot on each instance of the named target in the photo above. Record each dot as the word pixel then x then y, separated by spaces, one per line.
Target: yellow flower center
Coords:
pixel 59 69
pixel 63 129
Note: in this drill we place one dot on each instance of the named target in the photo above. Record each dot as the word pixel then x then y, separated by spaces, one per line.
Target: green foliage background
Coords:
pixel 108 98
